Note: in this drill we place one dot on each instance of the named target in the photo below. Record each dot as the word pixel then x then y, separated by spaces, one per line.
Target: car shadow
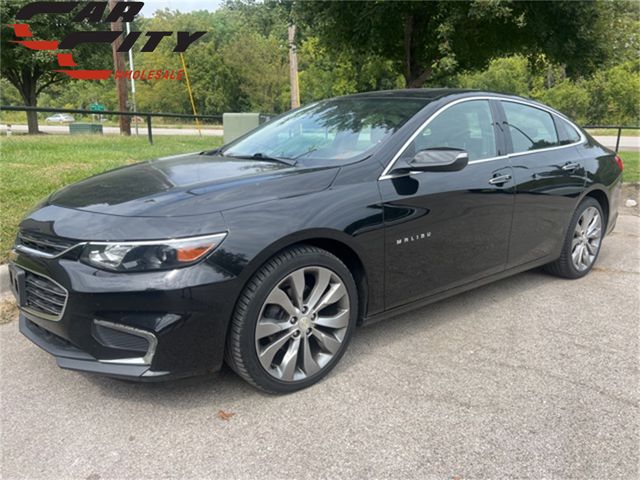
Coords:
pixel 225 387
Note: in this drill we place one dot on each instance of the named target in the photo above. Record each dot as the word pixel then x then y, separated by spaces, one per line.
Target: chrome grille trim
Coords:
pixel 45 297
pixel 46 246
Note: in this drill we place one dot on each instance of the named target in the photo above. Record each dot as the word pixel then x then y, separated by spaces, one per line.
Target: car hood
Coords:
pixel 191 184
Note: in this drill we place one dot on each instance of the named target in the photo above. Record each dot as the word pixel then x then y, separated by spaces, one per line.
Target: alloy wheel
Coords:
pixel 586 239
pixel 302 323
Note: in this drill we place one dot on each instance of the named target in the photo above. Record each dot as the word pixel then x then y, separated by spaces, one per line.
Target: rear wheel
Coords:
pixel 582 243
pixel 293 321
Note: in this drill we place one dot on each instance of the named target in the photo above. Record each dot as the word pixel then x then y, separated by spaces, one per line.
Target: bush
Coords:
pixel 570 98
pixel 610 96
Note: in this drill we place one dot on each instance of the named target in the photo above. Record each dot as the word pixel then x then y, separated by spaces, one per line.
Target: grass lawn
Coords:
pixel 32 167
pixel 631 162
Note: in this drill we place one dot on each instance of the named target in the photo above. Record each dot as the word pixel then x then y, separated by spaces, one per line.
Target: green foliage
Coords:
pixel 260 63
pixel 610 96
pixel 506 75
pixel 325 74
pixel 571 98
pixel 429 40
pixel 614 95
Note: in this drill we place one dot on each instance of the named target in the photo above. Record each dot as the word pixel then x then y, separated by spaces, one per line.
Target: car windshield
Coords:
pixel 338 129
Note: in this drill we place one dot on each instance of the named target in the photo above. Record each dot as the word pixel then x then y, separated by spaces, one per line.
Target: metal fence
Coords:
pixel 146 115
pixel 619 128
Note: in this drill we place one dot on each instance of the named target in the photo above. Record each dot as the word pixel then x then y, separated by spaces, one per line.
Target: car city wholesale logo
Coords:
pixel 93 12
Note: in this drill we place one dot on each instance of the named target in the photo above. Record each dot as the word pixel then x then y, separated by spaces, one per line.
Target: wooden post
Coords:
pixel 293 67
pixel 121 83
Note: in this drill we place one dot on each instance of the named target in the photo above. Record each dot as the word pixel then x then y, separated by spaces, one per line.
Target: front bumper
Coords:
pixel 158 325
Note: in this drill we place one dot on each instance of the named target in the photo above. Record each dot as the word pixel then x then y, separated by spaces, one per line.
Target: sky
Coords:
pixel 151 6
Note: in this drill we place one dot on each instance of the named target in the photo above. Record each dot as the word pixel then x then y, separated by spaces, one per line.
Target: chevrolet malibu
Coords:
pixel 267 252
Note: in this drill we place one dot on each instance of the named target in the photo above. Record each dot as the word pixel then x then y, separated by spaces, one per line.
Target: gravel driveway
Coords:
pixel 532 376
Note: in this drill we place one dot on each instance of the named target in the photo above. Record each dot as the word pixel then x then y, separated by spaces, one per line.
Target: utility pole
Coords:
pixel 121 83
pixel 293 67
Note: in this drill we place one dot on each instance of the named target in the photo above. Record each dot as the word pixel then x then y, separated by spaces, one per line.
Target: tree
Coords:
pixel 328 74
pixel 31 72
pixel 428 40
pixel 260 66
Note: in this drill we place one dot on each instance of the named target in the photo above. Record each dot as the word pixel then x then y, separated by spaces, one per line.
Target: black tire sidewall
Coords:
pixel 249 354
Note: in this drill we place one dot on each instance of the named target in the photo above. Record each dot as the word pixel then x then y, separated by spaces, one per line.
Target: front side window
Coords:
pixel 530 127
pixel 333 130
pixel 467 126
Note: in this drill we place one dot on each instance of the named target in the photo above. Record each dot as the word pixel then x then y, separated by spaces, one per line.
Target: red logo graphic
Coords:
pixel 93 13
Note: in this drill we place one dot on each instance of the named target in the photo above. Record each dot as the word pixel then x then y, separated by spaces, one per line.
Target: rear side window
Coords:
pixel 567 133
pixel 530 128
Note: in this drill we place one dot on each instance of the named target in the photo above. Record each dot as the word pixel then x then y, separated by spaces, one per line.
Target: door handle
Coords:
pixel 570 167
pixel 500 179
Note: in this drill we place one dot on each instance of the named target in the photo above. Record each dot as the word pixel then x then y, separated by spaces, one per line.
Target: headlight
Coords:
pixel 149 255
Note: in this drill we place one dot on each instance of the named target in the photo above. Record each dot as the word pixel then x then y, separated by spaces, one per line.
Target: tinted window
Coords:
pixel 467 125
pixel 531 128
pixel 331 130
pixel 567 133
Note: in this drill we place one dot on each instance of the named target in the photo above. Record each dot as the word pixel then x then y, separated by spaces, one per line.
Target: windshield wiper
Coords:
pixel 266 158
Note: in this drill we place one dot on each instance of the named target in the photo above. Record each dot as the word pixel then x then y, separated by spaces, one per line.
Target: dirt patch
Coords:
pixel 8 310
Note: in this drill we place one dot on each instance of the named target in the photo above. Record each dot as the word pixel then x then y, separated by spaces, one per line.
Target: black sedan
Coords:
pixel 267 252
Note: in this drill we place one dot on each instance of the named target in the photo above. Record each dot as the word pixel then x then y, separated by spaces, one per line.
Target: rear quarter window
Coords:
pixel 566 132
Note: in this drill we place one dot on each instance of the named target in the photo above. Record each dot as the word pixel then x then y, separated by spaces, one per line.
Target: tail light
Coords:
pixel 619 162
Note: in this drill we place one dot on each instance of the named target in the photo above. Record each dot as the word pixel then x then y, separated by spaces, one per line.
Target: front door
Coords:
pixel 444 229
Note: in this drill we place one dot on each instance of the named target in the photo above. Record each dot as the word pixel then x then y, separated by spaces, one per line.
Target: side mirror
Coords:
pixel 439 160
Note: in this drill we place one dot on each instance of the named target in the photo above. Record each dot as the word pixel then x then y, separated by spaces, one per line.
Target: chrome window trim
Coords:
pixel 150 337
pixel 385 175
pixel 45 316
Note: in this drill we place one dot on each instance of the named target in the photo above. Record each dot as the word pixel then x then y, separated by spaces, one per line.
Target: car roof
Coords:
pixel 431 94
pixel 419 93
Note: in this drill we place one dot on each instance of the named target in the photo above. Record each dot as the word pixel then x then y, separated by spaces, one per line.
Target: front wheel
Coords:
pixel 582 242
pixel 293 320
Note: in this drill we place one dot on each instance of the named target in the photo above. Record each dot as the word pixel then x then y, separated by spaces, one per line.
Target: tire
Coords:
pixel 308 332
pixel 566 266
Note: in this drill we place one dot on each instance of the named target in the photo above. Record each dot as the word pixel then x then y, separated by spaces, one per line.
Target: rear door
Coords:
pixel 444 229
pixel 549 177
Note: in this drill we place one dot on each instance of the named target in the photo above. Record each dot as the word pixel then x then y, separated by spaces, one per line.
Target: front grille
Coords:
pixel 43 297
pixel 46 244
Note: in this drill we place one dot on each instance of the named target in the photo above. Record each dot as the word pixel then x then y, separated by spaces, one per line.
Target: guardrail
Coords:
pixel 612 127
pixel 147 115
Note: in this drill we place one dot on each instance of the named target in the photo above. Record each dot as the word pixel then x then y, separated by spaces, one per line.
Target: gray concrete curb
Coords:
pixel 4 281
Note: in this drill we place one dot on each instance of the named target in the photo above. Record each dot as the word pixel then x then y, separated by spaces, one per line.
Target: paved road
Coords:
pixel 532 376
pixel 626 143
